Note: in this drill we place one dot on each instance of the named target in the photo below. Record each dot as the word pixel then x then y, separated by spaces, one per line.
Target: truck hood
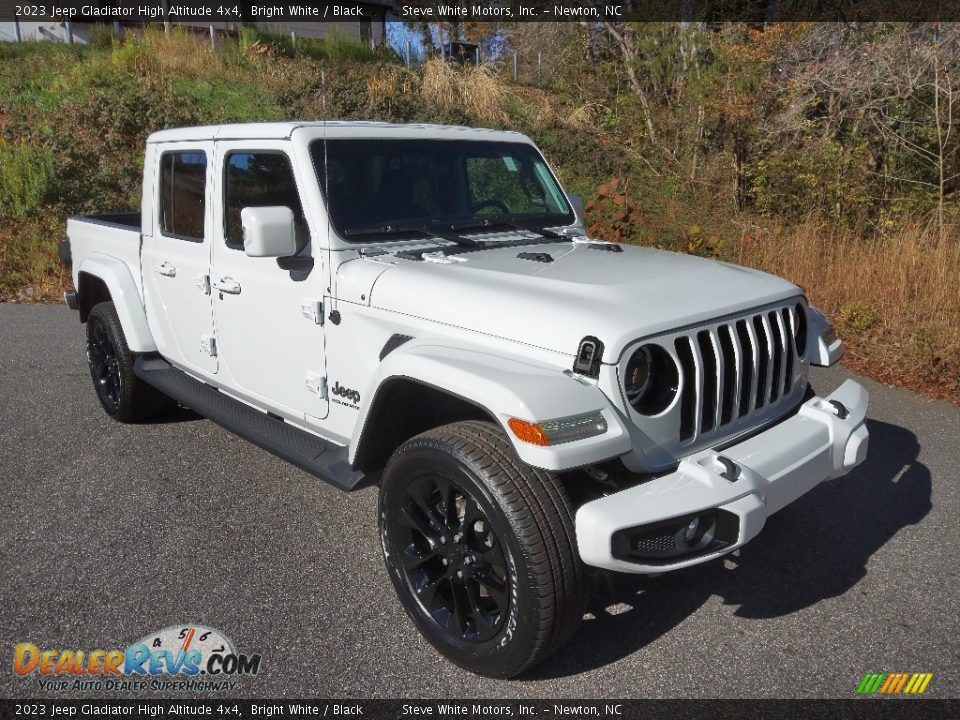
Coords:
pixel 618 297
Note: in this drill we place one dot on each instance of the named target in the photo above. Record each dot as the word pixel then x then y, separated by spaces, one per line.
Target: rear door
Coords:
pixel 267 310
pixel 176 256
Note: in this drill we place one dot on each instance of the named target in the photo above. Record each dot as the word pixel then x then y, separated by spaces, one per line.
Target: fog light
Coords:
pixel 675 540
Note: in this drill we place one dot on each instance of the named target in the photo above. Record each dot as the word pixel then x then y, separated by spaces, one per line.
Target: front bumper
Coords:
pixel 825 439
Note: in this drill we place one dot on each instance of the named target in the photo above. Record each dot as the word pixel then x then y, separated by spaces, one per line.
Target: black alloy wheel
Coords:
pixel 104 364
pixel 481 548
pixel 453 561
pixel 123 395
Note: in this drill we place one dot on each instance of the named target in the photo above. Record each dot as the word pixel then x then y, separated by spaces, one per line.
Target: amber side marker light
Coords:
pixel 529 432
pixel 559 430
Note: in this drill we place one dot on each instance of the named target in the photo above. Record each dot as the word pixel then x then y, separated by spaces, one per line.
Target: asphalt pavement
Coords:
pixel 111 531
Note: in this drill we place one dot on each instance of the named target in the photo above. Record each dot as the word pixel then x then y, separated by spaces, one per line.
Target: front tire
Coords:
pixel 481 549
pixel 123 395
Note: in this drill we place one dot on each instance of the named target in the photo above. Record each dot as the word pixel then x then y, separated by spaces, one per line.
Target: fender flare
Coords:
pixel 505 387
pixel 823 347
pixel 126 298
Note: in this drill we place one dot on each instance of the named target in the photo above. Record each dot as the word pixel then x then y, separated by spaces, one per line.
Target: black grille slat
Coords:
pixel 709 399
pixel 762 352
pixel 746 354
pixel 788 331
pixel 777 343
pixel 729 373
pixel 688 397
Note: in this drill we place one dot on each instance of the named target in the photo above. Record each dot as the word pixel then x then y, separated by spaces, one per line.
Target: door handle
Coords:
pixel 165 269
pixel 227 285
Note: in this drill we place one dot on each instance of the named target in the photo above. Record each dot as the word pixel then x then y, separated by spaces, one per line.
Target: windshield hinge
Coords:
pixel 317 383
pixel 312 310
pixel 203 283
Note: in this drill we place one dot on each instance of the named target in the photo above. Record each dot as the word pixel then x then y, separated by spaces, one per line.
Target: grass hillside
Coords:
pixel 73 121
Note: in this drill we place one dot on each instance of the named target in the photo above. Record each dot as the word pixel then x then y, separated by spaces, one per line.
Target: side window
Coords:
pixel 183 187
pixel 260 179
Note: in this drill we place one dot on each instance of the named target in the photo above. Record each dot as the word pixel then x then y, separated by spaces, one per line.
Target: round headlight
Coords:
pixel 637 381
pixel 800 328
pixel 650 380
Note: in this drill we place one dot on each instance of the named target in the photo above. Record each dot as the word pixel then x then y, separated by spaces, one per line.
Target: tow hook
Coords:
pixel 729 468
pixel 841 409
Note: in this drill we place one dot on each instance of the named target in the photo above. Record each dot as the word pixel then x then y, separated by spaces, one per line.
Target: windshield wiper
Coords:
pixel 488 224
pixel 400 229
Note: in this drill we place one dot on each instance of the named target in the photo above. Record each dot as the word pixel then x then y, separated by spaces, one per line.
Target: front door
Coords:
pixel 176 256
pixel 267 310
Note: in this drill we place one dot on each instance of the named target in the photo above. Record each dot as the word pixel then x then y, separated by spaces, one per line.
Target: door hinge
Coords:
pixel 317 383
pixel 312 310
pixel 208 344
pixel 203 283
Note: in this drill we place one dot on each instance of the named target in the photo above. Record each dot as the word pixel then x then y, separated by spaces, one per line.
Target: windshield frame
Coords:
pixel 532 222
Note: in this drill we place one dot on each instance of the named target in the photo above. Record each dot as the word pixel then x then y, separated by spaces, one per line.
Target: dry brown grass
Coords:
pixel 474 89
pixel 895 299
pixel 30 270
pixel 389 84
pixel 585 117
pixel 181 52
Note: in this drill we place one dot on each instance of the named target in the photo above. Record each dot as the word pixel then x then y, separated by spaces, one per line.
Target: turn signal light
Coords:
pixel 529 432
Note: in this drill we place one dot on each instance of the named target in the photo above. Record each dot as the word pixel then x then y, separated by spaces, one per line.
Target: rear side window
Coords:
pixel 260 179
pixel 183 189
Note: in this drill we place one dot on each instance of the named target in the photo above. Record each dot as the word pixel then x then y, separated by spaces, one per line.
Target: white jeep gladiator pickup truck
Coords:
pixel 420 307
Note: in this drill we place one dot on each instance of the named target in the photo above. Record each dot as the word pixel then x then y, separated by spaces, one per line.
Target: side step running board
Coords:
pixel 315 455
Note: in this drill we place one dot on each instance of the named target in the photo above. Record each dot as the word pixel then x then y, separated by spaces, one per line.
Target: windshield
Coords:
pixel 389 185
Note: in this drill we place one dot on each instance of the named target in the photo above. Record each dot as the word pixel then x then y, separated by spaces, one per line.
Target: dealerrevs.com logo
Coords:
pixel 179 657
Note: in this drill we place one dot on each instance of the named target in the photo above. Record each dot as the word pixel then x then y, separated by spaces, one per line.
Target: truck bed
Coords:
pixel 109 237
pixel 122 220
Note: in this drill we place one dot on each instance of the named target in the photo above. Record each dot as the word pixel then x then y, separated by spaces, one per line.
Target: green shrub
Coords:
pixel 337 48
pixel 858 318
pixel 102 36
pixel 25 178
pixel 133 58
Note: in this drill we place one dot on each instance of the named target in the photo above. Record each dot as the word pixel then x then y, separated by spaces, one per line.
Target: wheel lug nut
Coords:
pixel 445 562
pixel 459 573
pixel 443 539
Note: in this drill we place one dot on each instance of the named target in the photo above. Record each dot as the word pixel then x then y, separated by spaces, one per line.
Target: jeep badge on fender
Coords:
pixel 505 361
pixel 351 395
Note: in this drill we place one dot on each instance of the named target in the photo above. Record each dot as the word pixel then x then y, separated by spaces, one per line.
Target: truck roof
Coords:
pixel 334 128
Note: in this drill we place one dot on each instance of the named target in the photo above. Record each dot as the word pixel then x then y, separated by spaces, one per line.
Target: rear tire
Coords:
pixel 481 549
pixel 123 395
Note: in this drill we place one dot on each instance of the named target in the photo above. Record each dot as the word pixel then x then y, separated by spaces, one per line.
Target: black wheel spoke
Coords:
pixel 448 503
pixel 461 609
pixel 430 512
pixel 491 553
pixel 414 517
pixel 427 592
pixel 413 557
pixel 482 622
pixel 496 588
pixel 471 515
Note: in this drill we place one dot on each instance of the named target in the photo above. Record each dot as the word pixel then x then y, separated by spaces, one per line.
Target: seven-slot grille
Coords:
pixel 735 369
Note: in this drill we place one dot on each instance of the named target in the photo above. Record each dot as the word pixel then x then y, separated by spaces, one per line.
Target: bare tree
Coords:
pixel 625 41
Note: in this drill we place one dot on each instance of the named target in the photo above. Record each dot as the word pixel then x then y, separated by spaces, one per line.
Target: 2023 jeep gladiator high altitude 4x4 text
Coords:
pixel 420 306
